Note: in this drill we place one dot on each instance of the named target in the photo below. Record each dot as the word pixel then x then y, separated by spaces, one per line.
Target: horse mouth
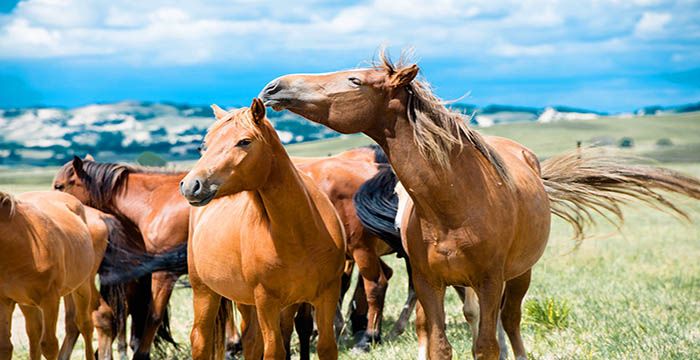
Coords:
pixel 275 104
pixel 203 201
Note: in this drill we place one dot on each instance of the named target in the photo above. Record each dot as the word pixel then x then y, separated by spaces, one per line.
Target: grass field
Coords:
pixel 629 295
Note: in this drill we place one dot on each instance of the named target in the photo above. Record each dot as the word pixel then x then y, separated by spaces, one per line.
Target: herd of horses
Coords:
pixel 277 237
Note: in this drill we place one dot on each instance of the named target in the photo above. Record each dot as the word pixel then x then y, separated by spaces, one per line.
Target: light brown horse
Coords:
pixel 47 253
pixel 268 236
pixel 481 205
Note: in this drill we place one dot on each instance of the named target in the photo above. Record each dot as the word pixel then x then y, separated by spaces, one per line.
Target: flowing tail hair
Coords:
pixel 588 181
pixel 120 271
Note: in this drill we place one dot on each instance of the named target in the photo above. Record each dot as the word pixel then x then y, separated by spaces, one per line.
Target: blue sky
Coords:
pixel 612 55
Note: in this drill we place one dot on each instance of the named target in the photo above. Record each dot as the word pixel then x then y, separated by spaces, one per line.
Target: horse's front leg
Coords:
pixel 430 319
pixel 489 291
pixel 203 335
pixel 325 312
pixel 268 309
pixel 7 306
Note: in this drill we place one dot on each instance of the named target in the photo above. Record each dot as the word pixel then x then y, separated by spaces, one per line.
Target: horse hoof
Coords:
pixel 364 341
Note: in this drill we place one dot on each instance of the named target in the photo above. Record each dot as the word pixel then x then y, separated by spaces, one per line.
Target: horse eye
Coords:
pixel 355 81
pixel 58 187
pixel 243 143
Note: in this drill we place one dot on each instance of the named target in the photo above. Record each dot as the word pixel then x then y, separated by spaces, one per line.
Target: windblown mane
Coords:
pixel 438 130
pixel 105 180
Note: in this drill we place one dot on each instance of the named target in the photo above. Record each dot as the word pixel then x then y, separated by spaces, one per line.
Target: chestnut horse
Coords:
pixel 144 199
pixel 481 205
pixel 47 253
pixel 268 236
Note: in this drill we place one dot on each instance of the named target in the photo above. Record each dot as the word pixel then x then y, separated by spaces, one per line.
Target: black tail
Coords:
pixel 134 266
pixel 379 155
pixel 377 204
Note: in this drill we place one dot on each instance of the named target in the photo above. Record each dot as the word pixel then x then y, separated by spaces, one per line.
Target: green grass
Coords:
pixel 628 295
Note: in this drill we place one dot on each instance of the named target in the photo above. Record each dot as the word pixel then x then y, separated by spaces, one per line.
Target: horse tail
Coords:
pixel 379 154
pixel 376 204
pixel 120 238
pixel 8 204
pixel 225 312
pixel 586 181
pixel 136 265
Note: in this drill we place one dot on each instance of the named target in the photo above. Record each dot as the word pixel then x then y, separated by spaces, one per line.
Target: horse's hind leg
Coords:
pixel 407 310
pixel 304 324
pixel 511 313
pixel 103 318
pixel 84 305
pixel 49 342
pixel 162 284
pixel 7 306
pixel 71 328
pixel 375 283
pixel 34 325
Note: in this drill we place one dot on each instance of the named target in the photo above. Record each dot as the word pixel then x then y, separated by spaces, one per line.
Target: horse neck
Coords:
pixel 135 201
pixel 441 196
pixel 285 199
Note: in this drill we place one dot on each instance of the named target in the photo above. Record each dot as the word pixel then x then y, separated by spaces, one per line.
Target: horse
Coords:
pixel 148 201
pixel 481 206
pixel 48 253
pixel 267 236
pixel 338 176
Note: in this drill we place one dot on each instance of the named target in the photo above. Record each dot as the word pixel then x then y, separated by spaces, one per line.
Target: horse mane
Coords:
pixel 438 130
pixel 104 180
pixel 8 205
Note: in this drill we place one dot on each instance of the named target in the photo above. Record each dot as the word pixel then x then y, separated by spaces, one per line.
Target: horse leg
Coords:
pixel 489 292
pixel 206 308
pixel 304 324
pixel 402 322
pixel 33 323
pixel 7 306
pixel 514 293
pixel 233 337
pixel 375 283
pixel 49 342
pixel 470 309
pixel 162 284
pixel 345 281
pixel 71 328
pixel 287 327
pixel 430 319
pixel 357 312
pixel 268 310
pixel 251 337
pixel 325 309
pixel 84 303
pixel 103 318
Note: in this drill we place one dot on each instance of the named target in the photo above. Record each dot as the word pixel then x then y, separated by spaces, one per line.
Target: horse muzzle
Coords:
pixel 197 192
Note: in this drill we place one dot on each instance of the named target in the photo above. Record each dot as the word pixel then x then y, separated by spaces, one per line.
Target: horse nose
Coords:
pixel 271 88
pixel 194 188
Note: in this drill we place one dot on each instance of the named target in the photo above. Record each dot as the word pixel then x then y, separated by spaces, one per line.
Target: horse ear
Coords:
pixel 89 157
pixel 218 112
pixel 78 166
pixel 257 109
pixel 403 76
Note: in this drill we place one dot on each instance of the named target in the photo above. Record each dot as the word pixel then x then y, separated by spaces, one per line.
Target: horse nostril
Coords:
pixel 197 188
pixel 272 87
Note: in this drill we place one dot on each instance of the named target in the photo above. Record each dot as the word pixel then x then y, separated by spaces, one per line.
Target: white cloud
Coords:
pixel 652 24
pixel 161 32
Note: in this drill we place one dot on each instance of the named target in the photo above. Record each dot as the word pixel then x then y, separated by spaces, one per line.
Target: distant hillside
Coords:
pixel 121 131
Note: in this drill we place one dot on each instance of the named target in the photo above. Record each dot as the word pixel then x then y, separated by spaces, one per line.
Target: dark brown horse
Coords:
pixel 481 205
